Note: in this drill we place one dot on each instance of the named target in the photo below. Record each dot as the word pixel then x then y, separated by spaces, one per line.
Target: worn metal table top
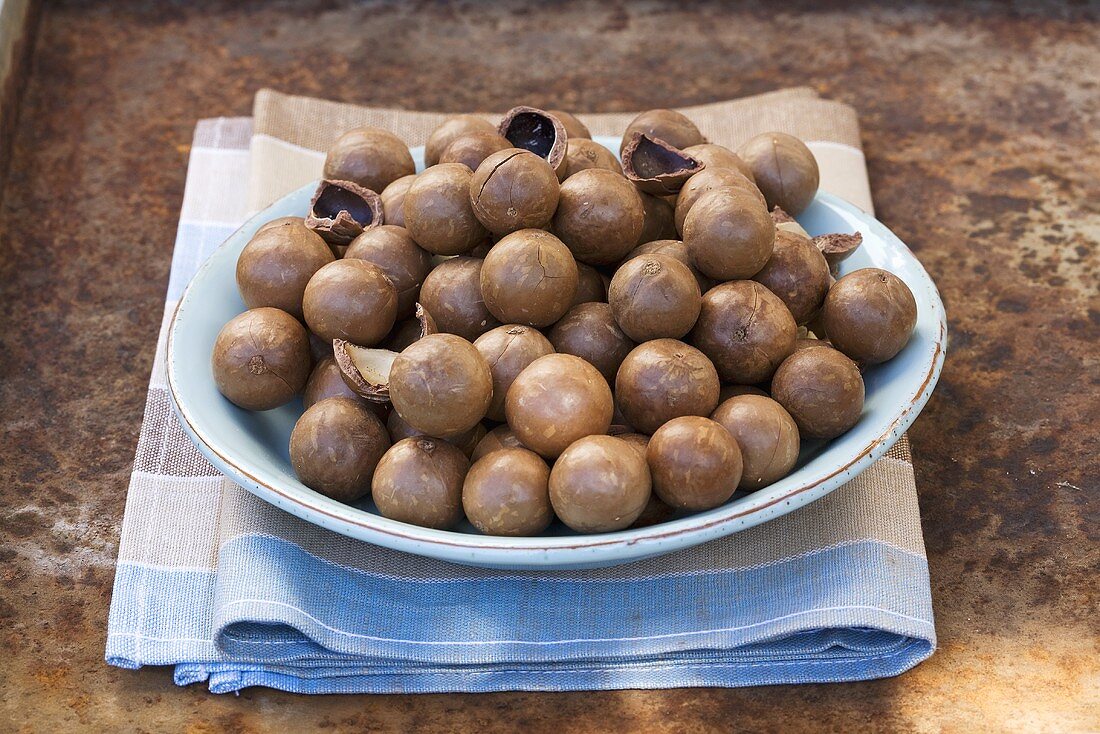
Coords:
pixel 981 130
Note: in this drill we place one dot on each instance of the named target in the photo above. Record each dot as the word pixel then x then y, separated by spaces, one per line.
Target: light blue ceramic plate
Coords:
pixel 251 448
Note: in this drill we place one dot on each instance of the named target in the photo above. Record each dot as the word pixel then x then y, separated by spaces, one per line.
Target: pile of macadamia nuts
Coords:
pixel 530 329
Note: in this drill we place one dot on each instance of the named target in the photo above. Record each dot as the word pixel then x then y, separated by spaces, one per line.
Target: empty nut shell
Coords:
pixel 419 481
pixel 599 217
pixel 277 263
pixel 335 447
pixel 404 262
pixel 452 295
pixel 509 350
pixel 821 389
pixel 441 385
pixel 838 247
pixel 798 273
pixel 599 484
pixel 369 156
pixel 341 210
pixel 539 132
pixel 784 169
pixel 452 129
pixel 514 189
pixel 869 315
pixel 261 359
pixel 352 300
pixel 669 125
pixel 656 167
pixel 654 296
pixel 529 277
pixel 473 148
pixel 582 154
pixel 745 330
pixel 665 379
pixel 589 331
pixel 766 434
pixel 507 493
pixel 729 234
pixel 438 214
pixel 365 371
pixel 695 463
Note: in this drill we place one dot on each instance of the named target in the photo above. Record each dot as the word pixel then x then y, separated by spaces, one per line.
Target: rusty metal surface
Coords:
pixel 981 130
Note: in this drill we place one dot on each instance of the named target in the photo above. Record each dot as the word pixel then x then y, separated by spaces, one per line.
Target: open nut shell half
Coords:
pixel 539 132
pixel 366 371
pixel 656 167
pixel 838 246
pixel 341 210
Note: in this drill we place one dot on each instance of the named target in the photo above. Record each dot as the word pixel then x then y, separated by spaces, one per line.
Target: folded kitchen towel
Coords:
pixel 237 593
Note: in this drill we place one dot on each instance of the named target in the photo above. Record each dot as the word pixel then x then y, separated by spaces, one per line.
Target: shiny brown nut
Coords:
pixel 808 342
pixel 821 389
pixel 599 216
pixel 529 277
pixel 599 484
pixel 665 379
pixel 341 210
pixel 398 429
pixel 677 250
pixel 869 315
pixel 352 300
pixel 261 359
pixel 766 434
pixel 335 447
pixel 509 350
pixel 507 493
pixel 452 295
pixel 558 399
pixel 369 156
pixel 366 371
pixel 656 167
pixel 589 331
pixel 441 385
pixel 729 391
pixel 501 437
pixel 582 154
pixel 695 463
pixel 745 330
pixel 784 169
pixel 280 222
pixel 473 148
pixel 659 222
pixel 574 128
pixel 275 265
pixel 654 296
pixel 404 262
pixel 798 273
pixel 591 287
pixel 452 129
pixel 669 125
pixel 714 156
pixel 419 481
pixel 537 131
pixel 393 200
pixel 706 181
pixel 326 381
pixel 437 210
pixel 729 234
pixel 514 189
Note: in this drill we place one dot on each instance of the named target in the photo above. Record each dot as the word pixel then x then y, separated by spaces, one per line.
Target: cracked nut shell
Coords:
pixel 509 350
pixel 821 389
pixel 745 330
pixel 539 132
pixel 335 447
pixel 452 295
pixel 529 277
pixel 369 156
pixel 341 210
pixel 654 296
pixel 275 265
pixel 404 262
pixel 589 331
pixel 261 359
pixel 669 125
pixel 441 385
pixel 729 234
pixel 507 493
pixel 599 484
pixel 599 216
pixel 419 481
pixel 514 189
pixel 656 167
pixel 869 315
pixel 665 379
pixel 695 463
pixel 437 210
pixel 784 169
pixel 766 434
pixel 352 300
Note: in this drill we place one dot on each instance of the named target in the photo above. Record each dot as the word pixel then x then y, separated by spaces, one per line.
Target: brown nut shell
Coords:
pixel 654 296
pixel 452 295
pixel 558 399
pixel 514 189
pixel 404 262
pixel 365 371
pixel 766 434
pixel 352 300
pixel 746 330
pixel 419 481
pixel 714 156
pixel 393 200
pixel 582 154
pixel 656 167
pixel 437 211
pixel 472 149
pixel 369 156
pixel 591 287
pixel 599 484
pixel 798 273
pixel 665 379
pixel 452 129
pixel 784 169
pixel 335 447
pixel 509 350
pixel 669 125
pixel 538 131
pixel 706 181
pixel 529 277
pixel 507 493
pixel 441 385
pixel 589 331
pixel 599 216
pixel 261 359
pixel 410 330
pixel 326 381
pixel 729 234
pixel 695 463
pixel 869 315
pixel 729 391
pixel 341 210
pixel 838 247
pixel 275 265
pixel 574 128
pixel 501 437
pixel 660 219
pixel 466 442
pixel 821 389
pixel 677 250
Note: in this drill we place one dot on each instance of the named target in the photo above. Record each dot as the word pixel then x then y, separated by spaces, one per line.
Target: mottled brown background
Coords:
pixel 981 129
